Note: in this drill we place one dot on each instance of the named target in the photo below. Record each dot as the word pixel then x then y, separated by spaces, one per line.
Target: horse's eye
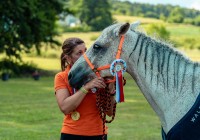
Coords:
pixel 96 46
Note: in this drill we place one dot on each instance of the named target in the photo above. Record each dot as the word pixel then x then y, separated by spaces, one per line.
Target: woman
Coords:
pixel 82 120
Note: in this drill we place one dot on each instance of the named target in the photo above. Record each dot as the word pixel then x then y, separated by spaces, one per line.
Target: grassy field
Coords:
pixel 28 109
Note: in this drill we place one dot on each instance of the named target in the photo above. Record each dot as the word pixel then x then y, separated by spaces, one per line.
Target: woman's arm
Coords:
pixel 69 103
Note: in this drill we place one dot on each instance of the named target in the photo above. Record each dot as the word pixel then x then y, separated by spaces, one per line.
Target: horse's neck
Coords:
pixel 167 79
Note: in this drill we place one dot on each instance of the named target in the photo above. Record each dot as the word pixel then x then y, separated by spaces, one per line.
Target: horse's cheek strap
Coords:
pixel 120 47
pixel 88 61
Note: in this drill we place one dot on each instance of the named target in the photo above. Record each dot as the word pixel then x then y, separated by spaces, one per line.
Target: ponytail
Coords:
pixel 62 61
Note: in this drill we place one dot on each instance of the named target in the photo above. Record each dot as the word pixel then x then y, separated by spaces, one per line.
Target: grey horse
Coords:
pixel 168 79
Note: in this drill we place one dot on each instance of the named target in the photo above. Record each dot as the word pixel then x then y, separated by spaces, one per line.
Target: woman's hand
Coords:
pixel 97 82
pixel 111 88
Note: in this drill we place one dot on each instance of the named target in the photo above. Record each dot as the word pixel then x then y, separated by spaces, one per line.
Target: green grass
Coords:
pixel 28 111
pixel 183 30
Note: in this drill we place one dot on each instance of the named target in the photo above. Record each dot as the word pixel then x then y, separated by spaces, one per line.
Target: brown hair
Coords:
pixel 67 49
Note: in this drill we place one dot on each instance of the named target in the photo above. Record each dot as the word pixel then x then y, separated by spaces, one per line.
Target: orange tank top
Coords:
pixel 89 123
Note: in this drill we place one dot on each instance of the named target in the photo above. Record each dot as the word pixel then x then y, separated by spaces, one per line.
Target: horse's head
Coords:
pixel 103 52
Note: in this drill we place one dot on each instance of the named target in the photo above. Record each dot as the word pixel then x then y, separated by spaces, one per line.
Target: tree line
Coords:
pixel 168 12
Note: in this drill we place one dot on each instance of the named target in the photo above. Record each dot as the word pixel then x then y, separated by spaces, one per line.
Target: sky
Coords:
pixel 183 3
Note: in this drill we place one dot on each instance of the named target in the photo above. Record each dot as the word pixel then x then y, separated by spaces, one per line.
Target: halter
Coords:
pixel 97 70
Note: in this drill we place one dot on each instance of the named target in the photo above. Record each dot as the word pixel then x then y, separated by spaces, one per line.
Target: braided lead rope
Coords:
pixel 103 102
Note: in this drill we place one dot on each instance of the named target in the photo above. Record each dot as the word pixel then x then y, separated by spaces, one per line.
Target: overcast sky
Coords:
pixel 183 3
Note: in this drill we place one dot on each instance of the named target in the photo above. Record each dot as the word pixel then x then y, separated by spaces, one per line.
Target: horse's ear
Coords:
pixel 124 28
pixel 135 25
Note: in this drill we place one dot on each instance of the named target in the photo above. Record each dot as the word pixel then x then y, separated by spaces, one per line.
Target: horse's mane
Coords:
pixel 163 57
pixel 167 46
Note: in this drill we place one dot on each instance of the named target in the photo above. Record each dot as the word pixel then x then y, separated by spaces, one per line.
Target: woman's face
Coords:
pixel 77 52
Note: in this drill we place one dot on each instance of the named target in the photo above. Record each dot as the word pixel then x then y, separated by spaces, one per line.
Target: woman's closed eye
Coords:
pixel 80 52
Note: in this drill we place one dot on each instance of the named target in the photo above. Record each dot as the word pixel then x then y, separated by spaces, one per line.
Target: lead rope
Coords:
pixel 103 102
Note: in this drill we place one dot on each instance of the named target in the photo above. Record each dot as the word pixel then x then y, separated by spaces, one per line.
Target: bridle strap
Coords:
pixel 120 47
pixel 103 67
pixel 88 61
pixel 96 70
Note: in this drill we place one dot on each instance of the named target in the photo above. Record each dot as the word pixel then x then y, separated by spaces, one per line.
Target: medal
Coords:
pixel 75 115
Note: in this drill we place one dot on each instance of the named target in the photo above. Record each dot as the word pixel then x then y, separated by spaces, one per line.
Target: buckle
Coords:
pixel 95 70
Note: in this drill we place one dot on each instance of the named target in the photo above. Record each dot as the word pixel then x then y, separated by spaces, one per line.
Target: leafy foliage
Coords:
pixel 17 68
pixel 93 13
pixel 26 24
pixel 176 16
pixel 197 21
pixel 160 30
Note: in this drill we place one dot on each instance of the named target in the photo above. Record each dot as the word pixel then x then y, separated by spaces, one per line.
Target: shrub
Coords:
pixel 188 21
pixel 197 21
pixel 159 30
pixel 17 68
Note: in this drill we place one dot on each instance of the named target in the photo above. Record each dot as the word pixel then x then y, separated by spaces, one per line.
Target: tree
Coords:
pixel 197 21
pixel 95 13
pixel 25 24
pixel 177 15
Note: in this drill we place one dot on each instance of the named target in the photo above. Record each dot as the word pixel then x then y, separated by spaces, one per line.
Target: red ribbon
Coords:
pixel 120 82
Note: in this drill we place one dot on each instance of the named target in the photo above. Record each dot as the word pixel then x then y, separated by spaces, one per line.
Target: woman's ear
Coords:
pixel 68 59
